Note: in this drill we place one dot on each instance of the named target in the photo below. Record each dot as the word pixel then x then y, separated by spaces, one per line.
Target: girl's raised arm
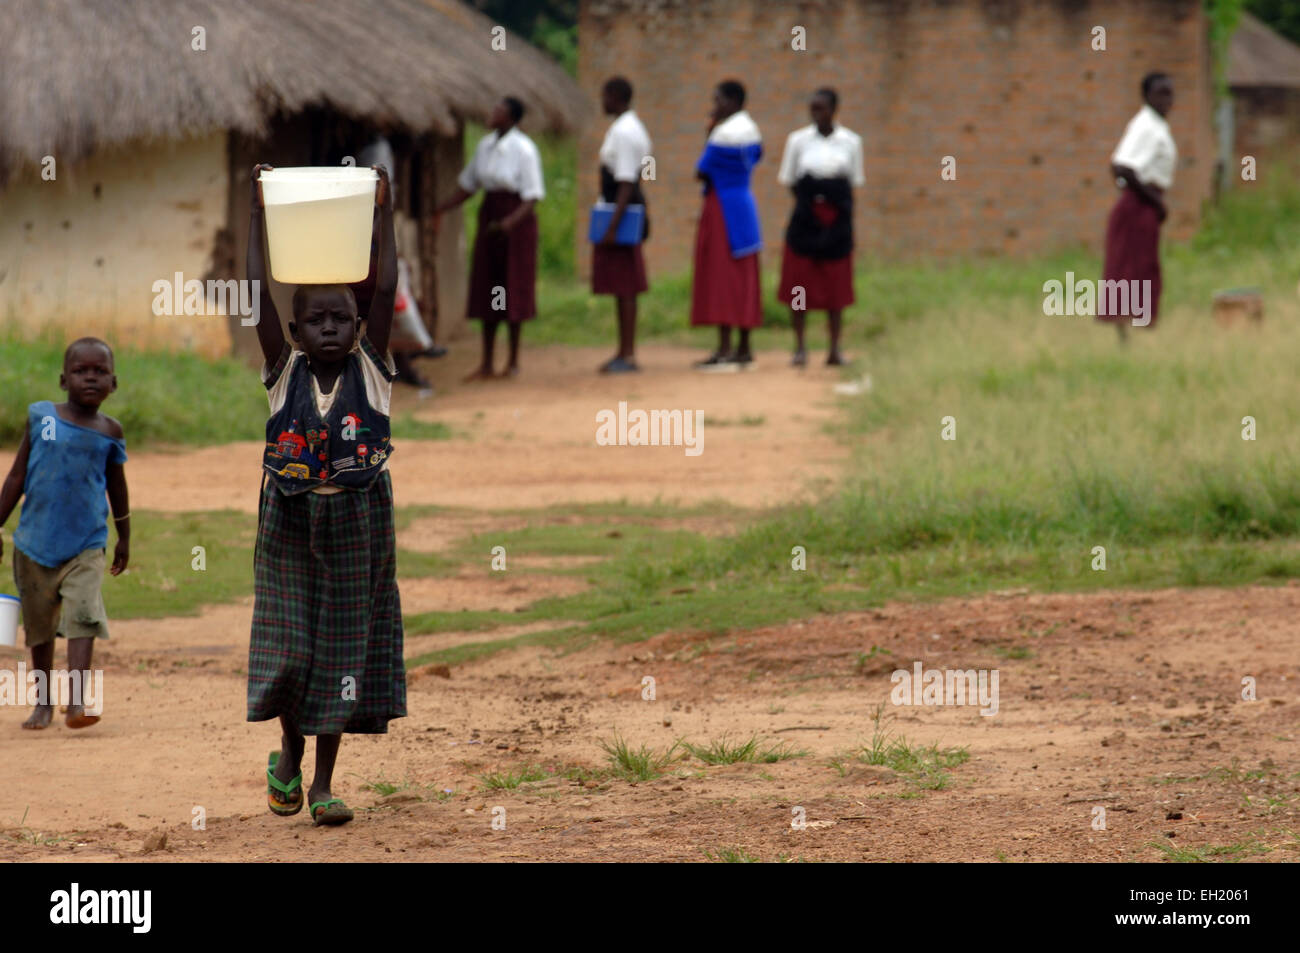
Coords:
pixel 379 322
pixel 269 333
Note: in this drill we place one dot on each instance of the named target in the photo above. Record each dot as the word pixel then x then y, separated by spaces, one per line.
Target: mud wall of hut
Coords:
pixel 81 253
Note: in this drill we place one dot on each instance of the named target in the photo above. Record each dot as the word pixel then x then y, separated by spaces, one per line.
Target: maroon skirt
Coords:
pixel 618 270
pixel 827 283
pixel 1132 252
pixel 724 290
pixel 505 261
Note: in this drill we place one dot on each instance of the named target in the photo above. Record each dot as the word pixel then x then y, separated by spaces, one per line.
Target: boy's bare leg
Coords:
pixel 42 661
pixel 79 655
pixel 327 750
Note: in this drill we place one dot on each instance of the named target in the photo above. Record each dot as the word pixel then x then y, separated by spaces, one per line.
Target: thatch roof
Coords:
pixel 78 75
pixel 1259 57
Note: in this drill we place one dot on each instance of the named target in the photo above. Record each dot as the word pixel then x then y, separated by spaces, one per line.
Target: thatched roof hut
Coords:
pixel 1264 76
pixel 79 75
pixel 1257 56
pixel 154 111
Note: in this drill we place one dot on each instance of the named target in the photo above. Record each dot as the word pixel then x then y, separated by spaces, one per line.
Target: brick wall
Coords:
pixel 1013 90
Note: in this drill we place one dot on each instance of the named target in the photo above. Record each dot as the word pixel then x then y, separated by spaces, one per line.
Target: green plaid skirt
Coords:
pixel 326 647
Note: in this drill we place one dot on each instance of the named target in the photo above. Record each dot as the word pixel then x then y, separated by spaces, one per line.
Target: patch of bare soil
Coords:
pixel 1126 701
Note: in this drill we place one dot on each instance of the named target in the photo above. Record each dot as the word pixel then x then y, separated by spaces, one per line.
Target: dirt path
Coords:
pixel 531 441
pixel 1125 701
pixel 1129 702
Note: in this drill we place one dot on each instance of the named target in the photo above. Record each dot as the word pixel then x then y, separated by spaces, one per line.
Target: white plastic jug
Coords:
pixel 9 606
pixel 318 223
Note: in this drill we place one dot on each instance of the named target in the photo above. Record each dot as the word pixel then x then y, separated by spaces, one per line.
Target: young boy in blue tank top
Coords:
pixel 70 456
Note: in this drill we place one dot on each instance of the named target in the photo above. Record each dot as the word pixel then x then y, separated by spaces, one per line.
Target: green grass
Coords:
pixel 509 780
pixel 731 855
pixel 1229 853
pixel 925 766
pixel 383 787
pixel 636 764
pixel 725 751
pixel 26 835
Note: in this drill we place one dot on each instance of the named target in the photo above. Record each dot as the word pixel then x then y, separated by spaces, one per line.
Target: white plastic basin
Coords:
pixel 318 223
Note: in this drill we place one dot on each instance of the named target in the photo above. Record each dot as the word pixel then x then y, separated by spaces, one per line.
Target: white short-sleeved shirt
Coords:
pixel 509 163
pixel 626 145
pixel 1148 149
pixel 379 392
pixel 808 152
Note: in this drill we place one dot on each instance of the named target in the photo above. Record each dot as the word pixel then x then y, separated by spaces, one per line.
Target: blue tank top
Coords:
pixel 65 510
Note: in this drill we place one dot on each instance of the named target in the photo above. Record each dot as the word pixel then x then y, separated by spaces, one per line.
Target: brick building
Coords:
pixel 1012 89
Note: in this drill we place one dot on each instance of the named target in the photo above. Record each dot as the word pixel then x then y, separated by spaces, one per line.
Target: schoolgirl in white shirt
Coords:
pixel 503 276
pixel 1143 166
pixel 821 165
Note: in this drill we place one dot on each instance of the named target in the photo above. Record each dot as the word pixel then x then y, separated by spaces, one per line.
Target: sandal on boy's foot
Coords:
pixel 333 811
pixel 77 717
pixel 291 790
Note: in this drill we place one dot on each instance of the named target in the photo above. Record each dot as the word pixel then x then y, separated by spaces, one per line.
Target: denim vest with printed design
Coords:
pixel 347 448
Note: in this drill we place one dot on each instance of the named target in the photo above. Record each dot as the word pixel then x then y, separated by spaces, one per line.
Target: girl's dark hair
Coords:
pixel 732 90
pixel 830 95
pixel 620 89
pixel 1149 80
pixel 515 107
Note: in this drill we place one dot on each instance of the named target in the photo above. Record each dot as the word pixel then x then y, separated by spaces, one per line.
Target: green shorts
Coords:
pixel 65 600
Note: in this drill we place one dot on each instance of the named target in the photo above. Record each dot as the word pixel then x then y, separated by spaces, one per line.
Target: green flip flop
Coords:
pixel 292 790
pixel 333 811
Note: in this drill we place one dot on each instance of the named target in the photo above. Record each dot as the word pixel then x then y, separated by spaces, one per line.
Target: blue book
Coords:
pixel 630 226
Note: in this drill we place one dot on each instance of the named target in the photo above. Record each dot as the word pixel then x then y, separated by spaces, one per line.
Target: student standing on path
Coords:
pixel 1143 166
pixel 821 165
pixel 619 270
pixel 503 277
pixel 725 283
